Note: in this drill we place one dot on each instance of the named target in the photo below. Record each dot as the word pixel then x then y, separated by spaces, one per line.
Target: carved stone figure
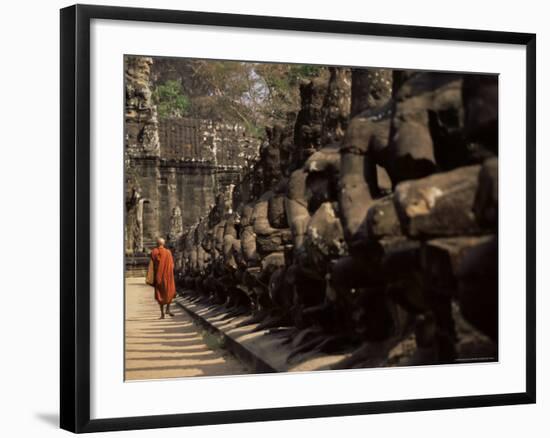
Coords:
pixel 370 218
pixel 366 136
pixel 307 131
pixel 141 114
pixel 336 106
pixel 176 225
pixel 427 126
pixel 134 219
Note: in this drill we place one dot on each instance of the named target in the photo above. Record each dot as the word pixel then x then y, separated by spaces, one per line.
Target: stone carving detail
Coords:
pixel 336 106
pixel 141 114
pixel 307 131
pixel 134 221
pixel 368 219
pixel 176 224
pixel 173 163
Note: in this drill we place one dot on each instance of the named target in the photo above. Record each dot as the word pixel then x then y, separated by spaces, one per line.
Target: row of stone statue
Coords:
pixel 370 219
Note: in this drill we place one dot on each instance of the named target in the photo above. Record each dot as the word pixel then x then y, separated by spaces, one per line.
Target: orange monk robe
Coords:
pixel 165 286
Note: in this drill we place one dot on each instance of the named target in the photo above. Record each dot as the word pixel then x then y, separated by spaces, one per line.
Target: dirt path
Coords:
pixel 172 347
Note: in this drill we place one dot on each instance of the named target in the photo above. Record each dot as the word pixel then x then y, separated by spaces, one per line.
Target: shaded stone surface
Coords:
pixel 307 131
pixel 486 200
pixel 382 219
pixel 426 126
pixel 439 205
pixel 371 88
pixel 367 222
pixel 264 346
pixel 336 106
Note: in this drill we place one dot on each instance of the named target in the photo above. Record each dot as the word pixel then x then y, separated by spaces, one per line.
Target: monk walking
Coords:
pixel 163 277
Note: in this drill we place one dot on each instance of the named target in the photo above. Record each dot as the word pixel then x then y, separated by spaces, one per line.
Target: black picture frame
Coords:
pixel 75 217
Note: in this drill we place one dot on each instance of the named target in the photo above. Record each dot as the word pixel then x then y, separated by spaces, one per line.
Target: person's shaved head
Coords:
pixel 160 241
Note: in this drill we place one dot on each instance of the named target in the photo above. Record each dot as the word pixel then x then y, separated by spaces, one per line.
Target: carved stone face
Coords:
pixel 286 144
pixel 141 115
pixel 307 132
pixel 336 106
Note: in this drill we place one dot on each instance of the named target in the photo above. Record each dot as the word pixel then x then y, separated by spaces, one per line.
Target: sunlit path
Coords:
pixel 172 347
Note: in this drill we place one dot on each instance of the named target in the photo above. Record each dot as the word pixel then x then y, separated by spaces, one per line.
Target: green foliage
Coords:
pixel 299 72
pixel 282 82
pixel 170 100
pixel 250 93
pixel 256 130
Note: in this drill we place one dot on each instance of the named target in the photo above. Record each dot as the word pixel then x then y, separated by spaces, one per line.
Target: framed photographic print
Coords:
pixel 271 218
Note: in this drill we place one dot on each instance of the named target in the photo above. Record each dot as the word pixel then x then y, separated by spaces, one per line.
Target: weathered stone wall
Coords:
pixel 369 223
pixel 141 128
pixel 174 165
pixel 179 138
pixel 142 150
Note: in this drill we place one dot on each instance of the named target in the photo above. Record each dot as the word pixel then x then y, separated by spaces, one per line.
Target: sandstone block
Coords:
pixel 382 219
pixel 439 205
pixel 486 199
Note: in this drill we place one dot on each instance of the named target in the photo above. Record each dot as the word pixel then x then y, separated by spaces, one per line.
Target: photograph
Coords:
pixel 267 219
pixel 299 218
